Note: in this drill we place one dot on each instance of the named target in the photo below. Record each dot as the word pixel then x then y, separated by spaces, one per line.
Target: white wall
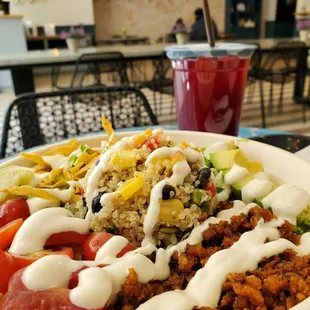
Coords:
pixel 59 12
pixel 303 3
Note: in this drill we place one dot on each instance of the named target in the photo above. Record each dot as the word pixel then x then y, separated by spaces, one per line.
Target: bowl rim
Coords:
pixel 121 134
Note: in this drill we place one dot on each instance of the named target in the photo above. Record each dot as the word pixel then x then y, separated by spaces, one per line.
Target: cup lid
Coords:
pixel 178 52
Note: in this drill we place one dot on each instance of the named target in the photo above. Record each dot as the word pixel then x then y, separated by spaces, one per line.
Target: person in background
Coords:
pixel 198 29
pixel 179 27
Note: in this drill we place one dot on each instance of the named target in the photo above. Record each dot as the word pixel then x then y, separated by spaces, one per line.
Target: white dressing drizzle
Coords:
pixel 51 272
pixel 256 189
pixel 180 170
pixel 224 194
pixel 215 147
pixel 287 201
pixel 55 161
pixel 94 289
pixel 36 204
pixel 62 194
pixel 36 229
pixel 111 248
pixel 99 285
pixel 38 177
pixel 102 166
pixel 249 249
pixel 235 174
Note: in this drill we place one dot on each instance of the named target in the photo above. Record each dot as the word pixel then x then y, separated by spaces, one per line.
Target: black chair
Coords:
pixel 280 66
pixel 95 64
pixel 253 74
pixel 161 85
pixel 36 119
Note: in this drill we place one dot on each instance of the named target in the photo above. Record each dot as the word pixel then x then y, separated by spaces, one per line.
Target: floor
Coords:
pixel 289 120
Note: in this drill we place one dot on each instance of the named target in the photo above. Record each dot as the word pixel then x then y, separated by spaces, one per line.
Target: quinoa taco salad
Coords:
pixel 146 222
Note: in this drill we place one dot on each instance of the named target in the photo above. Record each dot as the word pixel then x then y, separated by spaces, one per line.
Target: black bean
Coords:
pixel 84 201
pixel 203 177
pixel 168 192
pixel 96 205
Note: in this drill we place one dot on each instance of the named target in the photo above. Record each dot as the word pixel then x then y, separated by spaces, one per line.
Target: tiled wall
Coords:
pixel 152 18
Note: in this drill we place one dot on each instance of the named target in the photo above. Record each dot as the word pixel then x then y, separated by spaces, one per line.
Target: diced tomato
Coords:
pixel 82 192
pixel 53 299
pixel 8 232
pixel 96 240
pixel 16 283
pixel 67 237
pixel 20 298
pixel 13 209
pixel 152 143
pixel 21 261
pixel 74 281
pixel 7 269
pixel 211 188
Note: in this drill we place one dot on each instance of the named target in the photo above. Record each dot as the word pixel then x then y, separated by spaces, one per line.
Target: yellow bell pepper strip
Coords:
pixel 170 211
pixel 124 159
pixel 131 186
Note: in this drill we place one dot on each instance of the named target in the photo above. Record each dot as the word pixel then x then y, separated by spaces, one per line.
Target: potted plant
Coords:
pixel 73 37
pixel 303 25
pixel 180 31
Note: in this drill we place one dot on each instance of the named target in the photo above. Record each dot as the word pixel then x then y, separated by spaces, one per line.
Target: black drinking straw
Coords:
pixel 208 23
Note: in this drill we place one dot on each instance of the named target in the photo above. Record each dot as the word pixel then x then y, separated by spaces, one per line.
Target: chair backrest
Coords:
pixel 36 119
pixel 113 60
pixel 284 55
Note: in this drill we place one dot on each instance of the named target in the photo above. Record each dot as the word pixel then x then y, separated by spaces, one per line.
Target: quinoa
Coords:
pixel 126 217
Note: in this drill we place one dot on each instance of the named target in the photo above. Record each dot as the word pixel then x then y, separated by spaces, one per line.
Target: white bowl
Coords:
pixel 283 166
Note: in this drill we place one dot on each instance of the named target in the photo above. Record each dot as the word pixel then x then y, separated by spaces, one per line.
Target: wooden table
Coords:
pixel 125 41
pixel 21 64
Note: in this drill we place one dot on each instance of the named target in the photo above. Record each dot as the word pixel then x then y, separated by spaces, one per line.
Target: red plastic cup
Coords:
pixel 209 85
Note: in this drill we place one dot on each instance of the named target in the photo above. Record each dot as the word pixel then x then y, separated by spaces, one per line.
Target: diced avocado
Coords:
pixel 237 187
pixel 255 167
pixel 226 159
pixel 303 219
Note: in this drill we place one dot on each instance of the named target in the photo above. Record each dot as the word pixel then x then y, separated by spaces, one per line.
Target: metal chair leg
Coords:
pixel 262 104
pixel 270 104
pixel 304 112
pixel 280 106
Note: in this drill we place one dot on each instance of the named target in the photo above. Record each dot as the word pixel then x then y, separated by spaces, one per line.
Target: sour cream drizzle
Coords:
pixel 102 167
pixel 250 249
pixel 287 201
pixel 34 232
pixel 235 174
pixel 99 285
pixel 36 204
pixel 62 194
pixel 180 170
pixel 215 147
pixel 256 189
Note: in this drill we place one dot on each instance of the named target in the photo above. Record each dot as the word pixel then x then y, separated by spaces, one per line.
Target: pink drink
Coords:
pixel 209 92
